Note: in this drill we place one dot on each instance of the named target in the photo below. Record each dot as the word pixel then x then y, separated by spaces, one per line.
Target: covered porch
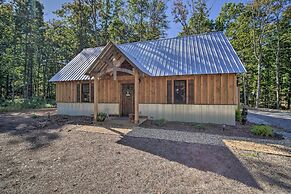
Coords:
pixel 113 66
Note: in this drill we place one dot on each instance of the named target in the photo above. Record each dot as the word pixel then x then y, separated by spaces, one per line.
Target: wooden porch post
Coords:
pixel 136 96
pixel 95 97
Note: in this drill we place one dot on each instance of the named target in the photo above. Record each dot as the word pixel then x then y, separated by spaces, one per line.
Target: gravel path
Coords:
pixel 201 138
pixel 276 118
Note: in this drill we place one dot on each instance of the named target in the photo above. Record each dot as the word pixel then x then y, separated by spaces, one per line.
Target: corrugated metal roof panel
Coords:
pixel 209 53
pixel 76 68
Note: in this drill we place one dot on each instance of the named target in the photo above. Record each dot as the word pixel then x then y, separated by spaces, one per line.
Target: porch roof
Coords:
pixel 209 53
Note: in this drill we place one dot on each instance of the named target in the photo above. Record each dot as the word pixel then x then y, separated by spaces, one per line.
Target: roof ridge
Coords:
pixel 160 39
pixel 93 48
pixel 177 37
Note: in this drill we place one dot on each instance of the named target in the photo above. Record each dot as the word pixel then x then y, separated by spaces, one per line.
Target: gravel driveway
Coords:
pixel 38 157
pixel 280 119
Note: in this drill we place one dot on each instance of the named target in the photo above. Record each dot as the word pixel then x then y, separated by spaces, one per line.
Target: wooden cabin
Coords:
pixel 189 79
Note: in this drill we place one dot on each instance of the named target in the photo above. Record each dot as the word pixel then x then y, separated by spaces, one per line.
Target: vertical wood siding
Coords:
pixel 208 89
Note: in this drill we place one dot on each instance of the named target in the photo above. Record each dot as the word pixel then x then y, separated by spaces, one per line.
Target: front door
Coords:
pixel 127 99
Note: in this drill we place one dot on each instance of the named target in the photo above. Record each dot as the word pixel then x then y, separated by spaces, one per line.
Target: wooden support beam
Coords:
pixel 136 96
pixel 96 82
pixel 117 69
pixel 118 62
pixel 125 70
pixel 114 73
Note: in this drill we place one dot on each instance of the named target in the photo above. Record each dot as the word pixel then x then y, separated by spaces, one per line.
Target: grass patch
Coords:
pixel 160 122
pixel 250 154
pixel 262 130
pixel 198 125
pixel 22 104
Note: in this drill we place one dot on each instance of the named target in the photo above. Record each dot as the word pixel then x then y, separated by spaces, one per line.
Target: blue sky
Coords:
pixel 174 29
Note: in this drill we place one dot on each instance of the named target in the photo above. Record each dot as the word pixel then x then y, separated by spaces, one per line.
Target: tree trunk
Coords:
pixel 25 91
pixel 81 41
pixel 13 65
pixel 7 85
pixel 244 88
pixel 94 18
pixel 259 77
pixel 30 75
pixel 289 91
pixel 277 72
pixel 44 80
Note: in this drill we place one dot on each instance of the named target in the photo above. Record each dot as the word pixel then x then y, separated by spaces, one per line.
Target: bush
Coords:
pixel 48 106
pixel 198 125
pixel 34 116
pixel 101 116
pixel 238 115
pixel 19 104
pixel 160 122
pixel 262 130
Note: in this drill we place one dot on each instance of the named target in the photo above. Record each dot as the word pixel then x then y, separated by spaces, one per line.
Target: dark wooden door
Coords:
pixel 127 99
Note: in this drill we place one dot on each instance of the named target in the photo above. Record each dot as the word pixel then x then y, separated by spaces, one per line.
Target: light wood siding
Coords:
pixel 66 91
pixel 208 89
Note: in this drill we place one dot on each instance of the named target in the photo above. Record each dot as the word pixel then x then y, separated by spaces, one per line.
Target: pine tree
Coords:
pixel 261 11
pixel 138 14
pixel 158 23
pixel 6 48
pixel 198 14
pixel 180 13
pixel 117 28
pixel 199 20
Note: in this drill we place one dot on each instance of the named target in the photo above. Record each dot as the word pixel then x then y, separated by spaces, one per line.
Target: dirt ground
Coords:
pixel 45 154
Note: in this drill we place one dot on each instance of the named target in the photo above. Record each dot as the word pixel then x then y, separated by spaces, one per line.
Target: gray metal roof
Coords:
pixel 76 68
pixel 209 53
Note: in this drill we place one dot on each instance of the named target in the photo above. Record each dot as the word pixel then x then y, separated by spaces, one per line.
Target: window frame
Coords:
pixel 82 98
pixel 78 90
pixel 91 92
pixel 175 93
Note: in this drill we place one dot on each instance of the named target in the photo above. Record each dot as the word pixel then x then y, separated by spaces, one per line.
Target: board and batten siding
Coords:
pixel 208 89
pixel 218 89
pixel 213 100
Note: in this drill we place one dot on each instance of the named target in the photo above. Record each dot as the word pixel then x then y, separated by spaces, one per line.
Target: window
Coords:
pixel 169 91
pixel 180 92
pixel 92 92
pixel 78 92
pixel 191 91
pixel 85 92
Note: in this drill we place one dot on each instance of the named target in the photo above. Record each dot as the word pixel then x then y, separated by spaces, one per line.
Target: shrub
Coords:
pixel 198 125
pixel 101 116
pixel 34 116
pixel 48 106
pixel 19 104
pixel 160 122
pixel 262 130
pixel 238 115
